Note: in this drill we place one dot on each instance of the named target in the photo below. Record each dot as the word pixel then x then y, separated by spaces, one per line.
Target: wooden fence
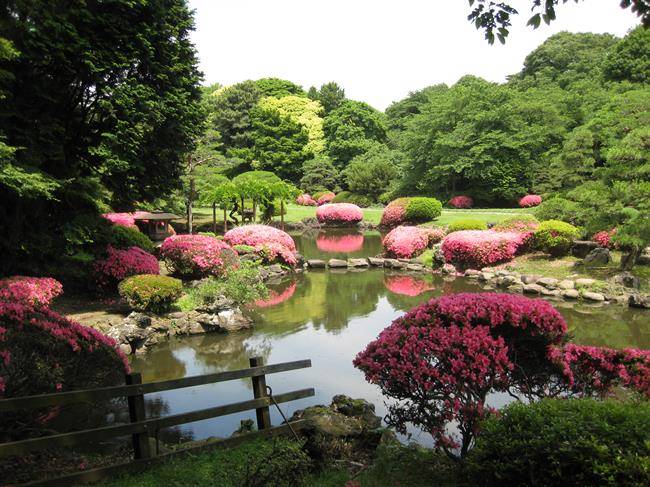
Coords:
pixel 142 429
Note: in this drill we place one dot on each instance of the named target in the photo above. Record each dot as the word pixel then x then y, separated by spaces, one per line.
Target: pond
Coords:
pixel 328 317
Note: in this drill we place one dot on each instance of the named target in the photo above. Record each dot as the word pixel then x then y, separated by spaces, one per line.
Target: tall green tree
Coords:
pixel 278 87
pixel 104 102
pixel 330 95
pixel 373 172
pixel 629 60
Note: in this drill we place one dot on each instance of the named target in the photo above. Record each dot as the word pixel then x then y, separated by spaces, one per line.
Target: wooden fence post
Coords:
pixel 259 390
pixel 141 447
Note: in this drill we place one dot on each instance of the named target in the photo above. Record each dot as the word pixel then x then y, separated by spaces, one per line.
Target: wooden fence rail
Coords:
pixel 141 428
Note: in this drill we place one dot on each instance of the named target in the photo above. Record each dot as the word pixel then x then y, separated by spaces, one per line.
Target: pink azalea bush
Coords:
pixel 254 235
pixel 530 200
pixel 339 243
pixel 339 213
pixel 276 297
pixel 406 285
pixel 30 291
pixel 44 352
pixel 395 213
pixel 305 200
pixel 461 202
pixel 325 198
pixel 122 219
pixel 405 242
pixel 604 238
pixel 273 252
pixel 434 234
pixel 198 255
pixel 118 264
pixel 481 248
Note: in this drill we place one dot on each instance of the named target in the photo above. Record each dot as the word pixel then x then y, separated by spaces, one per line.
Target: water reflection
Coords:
pixel 338 243
pixel 329 317
pixel 342 244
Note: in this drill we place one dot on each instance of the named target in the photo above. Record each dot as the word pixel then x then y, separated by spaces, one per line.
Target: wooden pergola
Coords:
pixel 155 224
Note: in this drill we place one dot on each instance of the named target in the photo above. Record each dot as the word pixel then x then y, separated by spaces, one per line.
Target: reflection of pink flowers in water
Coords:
pixel 276 297
pixel 407 285
pixel 339 243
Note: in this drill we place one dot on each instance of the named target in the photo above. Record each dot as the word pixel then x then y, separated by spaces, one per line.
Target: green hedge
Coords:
pixel 148 292
pixel 124 237
pixel 557 209
pixel 467 224
pixel 555 237
pixel 356 199
pixel 421 209
pixel 561 442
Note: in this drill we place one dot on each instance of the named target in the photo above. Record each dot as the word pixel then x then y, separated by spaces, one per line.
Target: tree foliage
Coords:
pixel 319 174
pixel 330 95
pixel 373 172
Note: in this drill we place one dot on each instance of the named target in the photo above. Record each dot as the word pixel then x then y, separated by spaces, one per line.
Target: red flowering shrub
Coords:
pixel 305 200
pixel 254 235
pixel 405 242
pixel 118 264
pixel 326 198
pixel 461 202
pixel 339 243
pixel 597 370
pixel 31 291
pixel 395 213
pixel 198 255
pixel 417 209
pixel 481 248
pixel 122 219
pixel 276 298
pixel 604 238
pixel 406 285
pixel 530 200
pixel 44 352
pixel 339 213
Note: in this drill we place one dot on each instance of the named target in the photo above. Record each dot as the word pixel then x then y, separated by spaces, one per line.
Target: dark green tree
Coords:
pixel 319 174
pixel 374 171
pixel 330 95
pixel 629 60
pixel 278 87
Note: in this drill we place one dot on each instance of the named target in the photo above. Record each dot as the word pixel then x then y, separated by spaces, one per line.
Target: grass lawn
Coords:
pixel 296 213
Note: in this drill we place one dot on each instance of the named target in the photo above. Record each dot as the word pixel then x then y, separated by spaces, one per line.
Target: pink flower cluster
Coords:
pixel 434 234
pixel 272 252
pixel 339 213
pixel 395 213
pixel 30 291
pixel 197 255
pixel 118 264
pixel 406 285
pixel 276 298
pixel 530 200
pixel 254 235
pixel 339 243
pixel 326 198
pixel 306 200
pixel 461 202
pixel 604 238
pixel 122 219
pixel 405 242
pixel 481 248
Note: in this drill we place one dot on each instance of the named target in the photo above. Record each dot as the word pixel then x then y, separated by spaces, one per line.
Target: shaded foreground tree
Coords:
pixel 102 104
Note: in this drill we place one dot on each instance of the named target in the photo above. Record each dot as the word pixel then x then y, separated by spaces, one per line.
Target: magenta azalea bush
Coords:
pixel 30 291
pixel 461 202
pixel 122 219
pixel 339 213
pixel 406 285
pixel 305 200
pixel 395 213
pixel 118 264
pixel 604 238
pixel 405 242
pixel 434 234
pixel 530 200
pixel 481 248
pixel 198 255
pixel 273 252
pixel 254 235
pixel 326 198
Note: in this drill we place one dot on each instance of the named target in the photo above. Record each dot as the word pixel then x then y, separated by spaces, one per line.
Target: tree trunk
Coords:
pixel 628 260
pixel 254 211
pixel 282 213
pixel 190 201
pixel 214 218
pixel 225 220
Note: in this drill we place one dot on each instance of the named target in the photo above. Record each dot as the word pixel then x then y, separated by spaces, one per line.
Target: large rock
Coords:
pixel 592 296
pixel 358 263
pixel 598 257
pixel 337 263
pixel 584 282
pixel 639 301
pixel 566 284
pixel 571 293
pixel 547 282
pixel 529 279
pixel 532 289
pixel 627 279
pixel 581 248
pixel 448 269
pixel 316 263
pixel 376 261
pixel 218 304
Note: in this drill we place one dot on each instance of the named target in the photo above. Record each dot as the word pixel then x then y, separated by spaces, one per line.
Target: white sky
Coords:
pixel 377 50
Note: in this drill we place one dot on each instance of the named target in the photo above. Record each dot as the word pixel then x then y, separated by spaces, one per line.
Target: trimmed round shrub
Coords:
pixel 305 200
pixel 43 352
pixel 118 264
pixel 122 237
pixel 520 223
pixel 530 200
pixel 122 219
pixel 30 291
pixel 198 255
pixel 467 224
pixel 421 209
pixel 405 242
pixel 604 238
pixel 461 202
pixel 557 209
pixel 254 235
pixel 563 442
pixel 360 200
pixel 339 213
pixel 325 198
pixel 481 248
pixel 149 292
pixel 555 237
pixel 410 210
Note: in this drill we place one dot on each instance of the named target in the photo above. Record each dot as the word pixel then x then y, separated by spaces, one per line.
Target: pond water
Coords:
pixel 328 317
